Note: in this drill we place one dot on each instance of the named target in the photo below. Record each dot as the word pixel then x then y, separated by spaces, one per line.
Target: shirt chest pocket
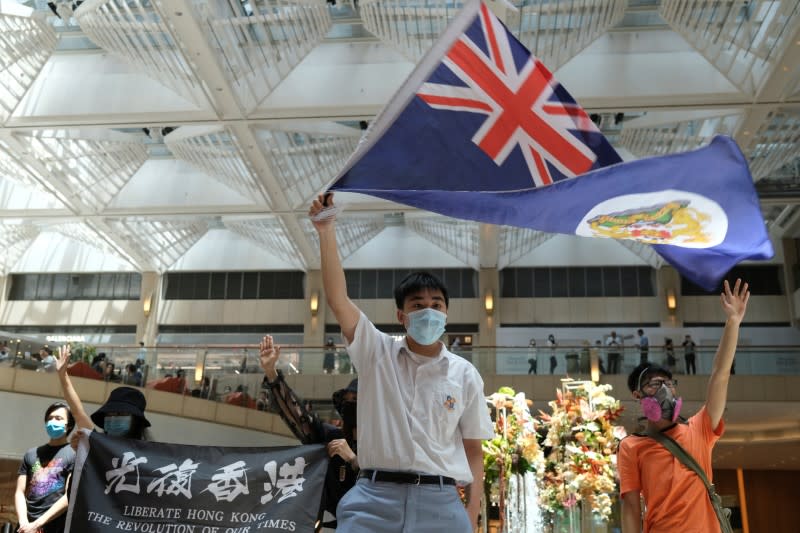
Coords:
pixel 448 405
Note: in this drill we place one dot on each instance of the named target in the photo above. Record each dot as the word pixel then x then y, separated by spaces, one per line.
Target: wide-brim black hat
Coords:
pixel 124 400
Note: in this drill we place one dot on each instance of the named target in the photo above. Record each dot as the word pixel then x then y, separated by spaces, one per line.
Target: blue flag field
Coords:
pixel 481 131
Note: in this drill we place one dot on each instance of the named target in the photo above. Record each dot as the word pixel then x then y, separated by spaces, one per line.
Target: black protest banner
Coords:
pixel 151 487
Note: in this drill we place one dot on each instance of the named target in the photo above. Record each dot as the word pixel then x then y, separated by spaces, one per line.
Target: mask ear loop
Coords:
pixel 639 381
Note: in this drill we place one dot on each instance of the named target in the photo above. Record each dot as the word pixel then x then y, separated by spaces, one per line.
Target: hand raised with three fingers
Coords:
pixel 734 302
pixel 62 362
pixel 268 357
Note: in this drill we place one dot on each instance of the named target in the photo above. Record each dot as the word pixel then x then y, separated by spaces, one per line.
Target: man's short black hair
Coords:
pixel 61 405
pixel 643 373
pixel 415 282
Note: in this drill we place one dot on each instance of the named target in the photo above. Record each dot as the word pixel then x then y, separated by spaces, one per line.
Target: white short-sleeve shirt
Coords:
pixel 414 411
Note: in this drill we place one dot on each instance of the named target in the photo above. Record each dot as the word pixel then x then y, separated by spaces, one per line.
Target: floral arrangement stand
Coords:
pixel 511 460
pixel 578 482
pixel 555 472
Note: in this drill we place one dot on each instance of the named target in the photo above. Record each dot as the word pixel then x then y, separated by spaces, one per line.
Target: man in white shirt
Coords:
pixel 614 345
pixel 644 346
pixel 422 413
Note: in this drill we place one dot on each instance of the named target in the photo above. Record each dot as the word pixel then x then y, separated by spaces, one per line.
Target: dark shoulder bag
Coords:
pixel 723 514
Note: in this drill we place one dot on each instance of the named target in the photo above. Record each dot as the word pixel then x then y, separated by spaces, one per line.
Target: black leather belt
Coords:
pixel 405 477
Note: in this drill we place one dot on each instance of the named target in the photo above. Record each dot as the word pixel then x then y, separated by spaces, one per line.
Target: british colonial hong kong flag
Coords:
pixel 482 131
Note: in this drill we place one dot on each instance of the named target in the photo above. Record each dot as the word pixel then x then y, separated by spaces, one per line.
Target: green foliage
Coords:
pixel 82 352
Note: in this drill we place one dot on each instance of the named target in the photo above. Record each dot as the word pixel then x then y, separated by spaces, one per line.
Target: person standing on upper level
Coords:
pixel 644 346
pixel 422 413
pixel 689 356
pixel 614 347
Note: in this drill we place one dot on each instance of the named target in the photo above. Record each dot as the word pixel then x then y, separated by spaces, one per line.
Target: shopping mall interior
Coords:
pixel 158 160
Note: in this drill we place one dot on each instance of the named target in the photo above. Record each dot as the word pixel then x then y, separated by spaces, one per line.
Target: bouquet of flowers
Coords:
pixel 514 450
pixel 581 442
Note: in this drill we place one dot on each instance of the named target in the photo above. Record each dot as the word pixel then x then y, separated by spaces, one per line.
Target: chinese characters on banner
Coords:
pixel 151 487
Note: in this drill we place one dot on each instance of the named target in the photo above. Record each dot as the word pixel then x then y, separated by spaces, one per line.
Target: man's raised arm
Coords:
pixel 734 303
pixel 333 280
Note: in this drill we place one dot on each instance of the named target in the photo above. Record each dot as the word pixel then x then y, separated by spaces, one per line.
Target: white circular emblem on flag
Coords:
pixel 679 218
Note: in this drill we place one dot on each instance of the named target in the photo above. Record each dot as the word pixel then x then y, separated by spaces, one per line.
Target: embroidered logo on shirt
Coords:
pixel 450 403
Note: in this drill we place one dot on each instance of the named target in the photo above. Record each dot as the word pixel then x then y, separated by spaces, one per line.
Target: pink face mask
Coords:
pixel 662 405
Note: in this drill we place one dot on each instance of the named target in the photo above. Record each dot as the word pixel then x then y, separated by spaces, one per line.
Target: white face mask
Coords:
pixel 426 326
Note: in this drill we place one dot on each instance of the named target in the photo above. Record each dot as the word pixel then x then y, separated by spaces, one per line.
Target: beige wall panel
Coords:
pixel 89 390
pixel 775 387
pixel 511 308
pixel 232 415
pixel 543 312
pixel 595 309
pixel 279 427
pixel 341 381
pixel 370 309
pixel 323 386
pixel 759 309
pixel 7 375
pixel 262 421
pixel 164 402
pixel 578 311
pixel 652 309
pixel 199 408
pixel 297 311
pixel 386 308
pixel 631 310
pixel 747 388
pixel 70 312
pixel 467 310
pixel 559 310
pixel 614 310
pixel 39 383
pixel 792 388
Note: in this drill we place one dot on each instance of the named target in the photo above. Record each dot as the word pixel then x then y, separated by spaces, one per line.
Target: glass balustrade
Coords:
pixel 232 374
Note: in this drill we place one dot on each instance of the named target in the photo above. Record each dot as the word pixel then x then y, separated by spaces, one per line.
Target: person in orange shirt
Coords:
pixel 675 498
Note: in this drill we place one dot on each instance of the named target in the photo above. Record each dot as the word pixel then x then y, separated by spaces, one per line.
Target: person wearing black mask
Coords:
pixel 122 414
pixel 309 429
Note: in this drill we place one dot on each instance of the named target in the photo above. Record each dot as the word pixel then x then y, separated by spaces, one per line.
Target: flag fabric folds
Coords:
pixel 481 131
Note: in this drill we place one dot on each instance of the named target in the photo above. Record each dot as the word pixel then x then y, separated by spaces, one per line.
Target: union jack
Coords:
pixel 524 106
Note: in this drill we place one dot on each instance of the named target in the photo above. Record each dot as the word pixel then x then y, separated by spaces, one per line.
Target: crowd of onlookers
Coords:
pixel 614 348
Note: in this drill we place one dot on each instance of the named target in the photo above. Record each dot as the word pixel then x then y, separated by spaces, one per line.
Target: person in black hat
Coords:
pixel 123 414
pixel 309 429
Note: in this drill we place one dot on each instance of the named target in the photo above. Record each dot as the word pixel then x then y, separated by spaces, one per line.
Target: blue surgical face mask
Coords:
pixel 426 326
pixel 117 426
pixel 55 429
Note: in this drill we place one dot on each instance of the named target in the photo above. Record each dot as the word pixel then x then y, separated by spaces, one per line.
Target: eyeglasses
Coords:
pixel 658 383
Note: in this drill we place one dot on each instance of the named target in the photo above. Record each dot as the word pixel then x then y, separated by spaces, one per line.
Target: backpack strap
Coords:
pixel 723 515
pixel 681 454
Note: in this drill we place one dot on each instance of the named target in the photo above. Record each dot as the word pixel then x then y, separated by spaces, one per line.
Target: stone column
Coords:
pixel 668 283
pixel 488 293
pixel 147 318
pixel 314 325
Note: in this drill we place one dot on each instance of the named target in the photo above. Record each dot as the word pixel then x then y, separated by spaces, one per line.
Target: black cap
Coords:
pixel 126 400
pixel 338 396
